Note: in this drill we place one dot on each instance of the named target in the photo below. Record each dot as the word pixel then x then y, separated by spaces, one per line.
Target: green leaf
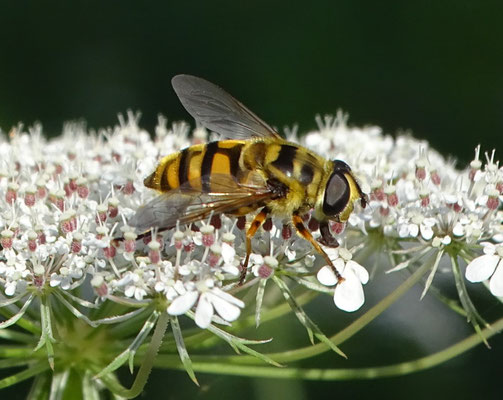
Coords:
pixel 141 337
pixel 17 316
pixel 311 327
pixel 312 284
pixel 90 390
pixel 130 351
pixel 146 366
pixel 258 301
pixel 116 363
pixel 8 301
pixel 46 337
pixel 429 280
pixel 119 318
pixel 238 343
pixel 182 350
pixel 75 311
pixel 78 300
pixel 472 314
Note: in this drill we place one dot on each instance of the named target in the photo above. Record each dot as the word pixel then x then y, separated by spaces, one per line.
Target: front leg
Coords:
pixel 306 234
pixel 327 239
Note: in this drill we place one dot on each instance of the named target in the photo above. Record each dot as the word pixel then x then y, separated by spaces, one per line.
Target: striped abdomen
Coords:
pixel 300 170
pixel 195 163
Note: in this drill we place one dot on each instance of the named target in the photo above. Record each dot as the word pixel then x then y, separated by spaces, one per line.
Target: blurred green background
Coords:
pixel 434 67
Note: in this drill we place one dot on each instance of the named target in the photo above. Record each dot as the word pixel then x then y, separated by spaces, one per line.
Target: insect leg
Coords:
pixel 326 236
pixel 256 223
pixel 304 232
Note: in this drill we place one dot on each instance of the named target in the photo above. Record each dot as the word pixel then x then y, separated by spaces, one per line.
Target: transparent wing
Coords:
pixel 218 111
pixel 186 204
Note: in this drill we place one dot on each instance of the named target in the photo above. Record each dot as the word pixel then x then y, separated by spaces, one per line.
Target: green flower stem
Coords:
pixel 16 336
pixel 452 304
pixel 41 387
pixel 35 369
pixel 337 374
pixel 146 365
pixel 15 362
pixel 9 351
pixel 24 323
pixel 29 326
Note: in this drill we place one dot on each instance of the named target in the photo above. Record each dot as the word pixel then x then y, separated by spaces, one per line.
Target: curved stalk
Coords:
pixel 399 369
pixel 146 365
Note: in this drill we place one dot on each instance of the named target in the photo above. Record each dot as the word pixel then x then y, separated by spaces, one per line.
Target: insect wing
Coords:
pixel 187 204
pixel 218 111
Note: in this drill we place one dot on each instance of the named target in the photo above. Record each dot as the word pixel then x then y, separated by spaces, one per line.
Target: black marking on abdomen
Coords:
pixel 164 179
pixel 183 167
pixel 211 149
pixel 234 153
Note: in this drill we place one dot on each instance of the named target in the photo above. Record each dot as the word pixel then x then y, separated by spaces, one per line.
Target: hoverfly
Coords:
pixel 252 168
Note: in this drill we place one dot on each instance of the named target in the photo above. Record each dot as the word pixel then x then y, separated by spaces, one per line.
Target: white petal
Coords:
pixel 359 271
pixel 139 293
pixel 458 230
pixel 226 310
pixel 326 276
pixel 413 230
pixel 426 232
pixel 129 292
pixel 256 259
pixel 348 295
pixel 481 268
pixel 231 269
pixel 228 253
pixel 204 312
pixel 227 297
pixel 496 282
pixel 10 288
pixel 489 248
pixel 183 303
pixel 403 230
pixel 55 280
pixel 446 240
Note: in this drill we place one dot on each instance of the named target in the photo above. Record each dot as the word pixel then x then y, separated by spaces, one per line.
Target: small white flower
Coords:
pixel 209 300
pixel 488 266
pixel 348 295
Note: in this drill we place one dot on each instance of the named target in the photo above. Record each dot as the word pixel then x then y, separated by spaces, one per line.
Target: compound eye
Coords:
pixel 336 194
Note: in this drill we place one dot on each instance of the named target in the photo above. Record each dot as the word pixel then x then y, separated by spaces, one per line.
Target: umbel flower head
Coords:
pixel 64 203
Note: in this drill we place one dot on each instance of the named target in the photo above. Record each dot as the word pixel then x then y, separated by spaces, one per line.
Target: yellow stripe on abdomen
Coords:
pixel 221 164
pixel 194 169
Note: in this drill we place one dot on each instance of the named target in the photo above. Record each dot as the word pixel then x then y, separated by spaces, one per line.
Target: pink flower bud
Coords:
pixel 286 232
pixel 216 221
pixel 267 226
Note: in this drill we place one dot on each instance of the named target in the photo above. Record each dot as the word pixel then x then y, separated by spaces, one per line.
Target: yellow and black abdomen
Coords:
pixel 194 164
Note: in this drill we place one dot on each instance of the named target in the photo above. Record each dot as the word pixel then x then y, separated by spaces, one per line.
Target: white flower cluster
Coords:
pixel 417 196
pixel 64 201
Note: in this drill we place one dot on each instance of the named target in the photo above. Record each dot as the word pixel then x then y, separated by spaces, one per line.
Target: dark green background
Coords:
pixel 434 67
